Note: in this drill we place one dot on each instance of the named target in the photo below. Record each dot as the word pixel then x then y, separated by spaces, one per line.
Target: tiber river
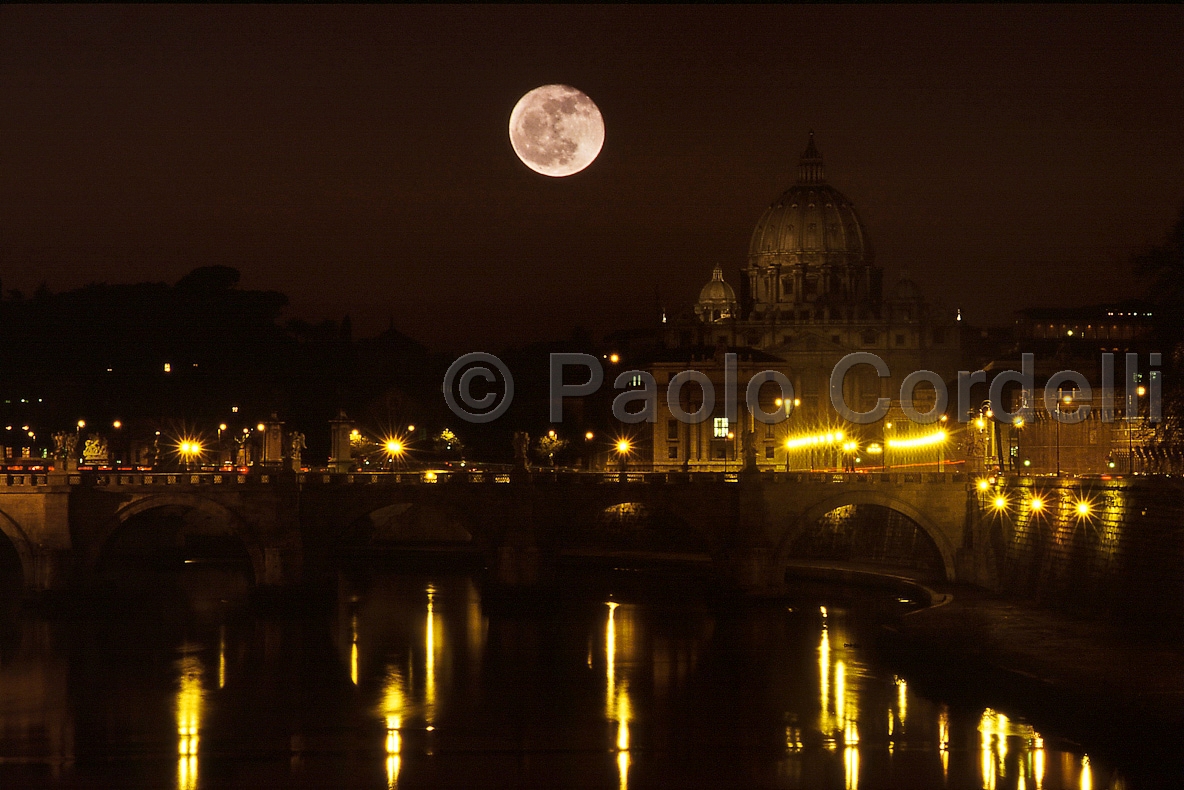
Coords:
pixel 417 681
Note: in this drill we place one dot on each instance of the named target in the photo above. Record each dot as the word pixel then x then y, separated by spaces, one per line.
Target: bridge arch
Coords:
pixel 23 546
pixel 235 524
pixel 815 512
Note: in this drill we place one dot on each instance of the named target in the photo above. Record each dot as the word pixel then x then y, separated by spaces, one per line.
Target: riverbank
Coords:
pixel 1115 692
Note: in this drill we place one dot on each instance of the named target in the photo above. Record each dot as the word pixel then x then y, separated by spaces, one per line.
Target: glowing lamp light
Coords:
pixel 814 440
pixel 588 436
pixel 984 484
pixel 394 447
pixel 1018 422
pixel 82 423
pixel 614 358
pixel 410 428
pixel 260 427
pixel 1027 462
pixel 117 425
pixel 980 423
pixel 1083 508
pixel 914 442
pixel 874 449
pixel 551 434
pixel 1141 390
pixel 1036 504
pixel 797 401
pixel 1000 503
pixel 623 446
pixel 778 403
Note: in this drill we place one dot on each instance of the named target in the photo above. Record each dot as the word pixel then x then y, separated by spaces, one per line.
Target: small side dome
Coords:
pixel 717 300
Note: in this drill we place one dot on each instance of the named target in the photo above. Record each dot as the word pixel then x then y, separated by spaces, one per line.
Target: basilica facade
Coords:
pixel 810 293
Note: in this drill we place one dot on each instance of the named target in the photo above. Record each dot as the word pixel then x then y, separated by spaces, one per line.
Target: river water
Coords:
pixel 419 681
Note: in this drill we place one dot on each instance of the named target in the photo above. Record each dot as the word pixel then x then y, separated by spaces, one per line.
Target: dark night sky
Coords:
pixel 357 158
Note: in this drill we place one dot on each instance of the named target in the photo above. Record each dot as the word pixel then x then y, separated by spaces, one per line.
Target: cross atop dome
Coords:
pixel 810 170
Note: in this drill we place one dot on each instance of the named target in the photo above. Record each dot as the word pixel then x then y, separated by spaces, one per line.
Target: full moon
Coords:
pixel 556 130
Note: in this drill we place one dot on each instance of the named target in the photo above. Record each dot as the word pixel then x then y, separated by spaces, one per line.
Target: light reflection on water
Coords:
pixel 431 687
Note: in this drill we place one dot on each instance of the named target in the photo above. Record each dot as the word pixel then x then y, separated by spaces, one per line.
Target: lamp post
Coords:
pixel 727 449
pixel 1018 423
pixel 623 448
pixel 1140 391
pixel 1065 398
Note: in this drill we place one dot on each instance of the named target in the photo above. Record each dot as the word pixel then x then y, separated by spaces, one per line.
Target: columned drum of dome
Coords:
pixel 810 246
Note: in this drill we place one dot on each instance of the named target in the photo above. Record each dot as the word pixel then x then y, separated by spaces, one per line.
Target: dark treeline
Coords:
pixel 99 353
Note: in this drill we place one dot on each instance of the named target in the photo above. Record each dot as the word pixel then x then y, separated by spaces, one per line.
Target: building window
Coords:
pixel 868 337
pixel 635 381
pixel 900 340
pixel 769 450
pixel 835 339
pixel 721 428
pixel 721 453
pixel 672 452
pixel 769 429
pixel 672 430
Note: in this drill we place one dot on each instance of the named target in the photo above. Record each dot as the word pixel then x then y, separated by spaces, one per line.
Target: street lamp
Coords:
pixel 727 449
pixel 394 449
pixel 623 449
pixel 189 449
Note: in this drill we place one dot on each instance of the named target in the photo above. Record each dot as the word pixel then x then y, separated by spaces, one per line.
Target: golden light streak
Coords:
pixel 623 769
pixel 851 767
pixel 1038 761
pixel 824 680
pixel 393 764
pixel 221 656
pixel 1087 774
pixel 623 719
pixel 902 692
pixel 353 649
pixel 814 440
pixel 189 710
pixel 943 741
pixel 430 659
pixel 925 440
pixel 610 658
pixel 394 700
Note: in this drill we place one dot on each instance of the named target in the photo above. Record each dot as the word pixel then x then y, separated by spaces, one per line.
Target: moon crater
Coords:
pixel 556 130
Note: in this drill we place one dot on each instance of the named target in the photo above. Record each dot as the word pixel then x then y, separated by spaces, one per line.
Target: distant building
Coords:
pixel 811 294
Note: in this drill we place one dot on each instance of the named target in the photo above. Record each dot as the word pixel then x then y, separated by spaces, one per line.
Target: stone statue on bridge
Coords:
pixel 298 446
pixel 521 450
pixel 65 443
pixel 748 443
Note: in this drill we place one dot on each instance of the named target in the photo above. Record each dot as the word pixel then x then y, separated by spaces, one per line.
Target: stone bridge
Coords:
pixel 749 527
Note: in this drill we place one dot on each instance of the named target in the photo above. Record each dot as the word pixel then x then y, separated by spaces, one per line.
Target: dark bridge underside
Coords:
pixel 870 535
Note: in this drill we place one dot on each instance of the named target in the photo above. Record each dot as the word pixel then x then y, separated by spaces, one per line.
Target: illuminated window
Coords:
pixel 721 428
pixel 635 381
pixel 769 450
pixel 672 452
